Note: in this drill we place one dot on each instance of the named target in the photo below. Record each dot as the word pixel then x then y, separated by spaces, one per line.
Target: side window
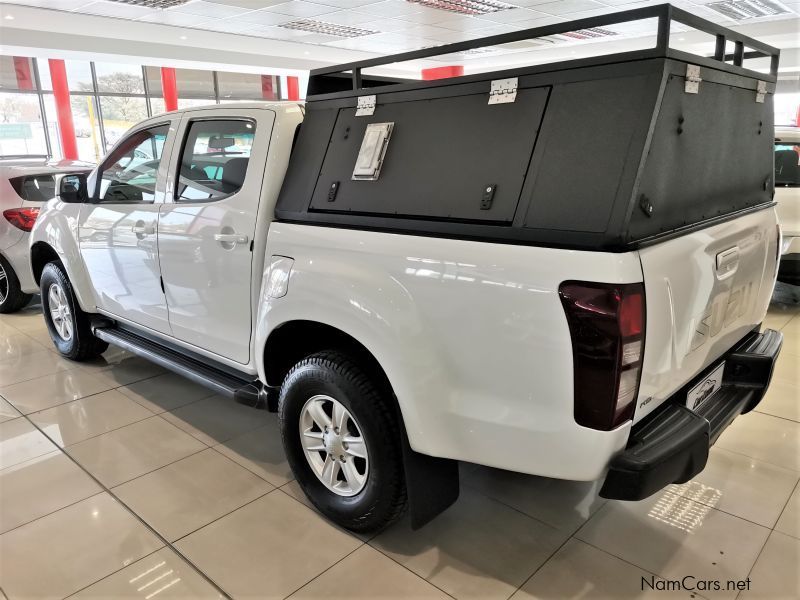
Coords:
pixel 129 174
pixel 214 159
pixel 35 188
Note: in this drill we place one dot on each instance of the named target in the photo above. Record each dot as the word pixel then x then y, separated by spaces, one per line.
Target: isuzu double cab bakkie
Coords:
pixel 559 270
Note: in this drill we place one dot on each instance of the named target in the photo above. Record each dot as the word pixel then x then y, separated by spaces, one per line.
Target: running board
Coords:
pixel 241 389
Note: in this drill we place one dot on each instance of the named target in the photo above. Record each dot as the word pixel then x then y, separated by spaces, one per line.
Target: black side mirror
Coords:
pixel 72 188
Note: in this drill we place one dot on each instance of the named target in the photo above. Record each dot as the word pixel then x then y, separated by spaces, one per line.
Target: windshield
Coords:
pixel 787 164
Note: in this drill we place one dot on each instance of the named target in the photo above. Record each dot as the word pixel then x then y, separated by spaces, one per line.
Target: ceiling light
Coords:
pixel 183 37
pixel 313 26
pixel 466 7
pixel 9 17
pixel 739 10
pixel 153 3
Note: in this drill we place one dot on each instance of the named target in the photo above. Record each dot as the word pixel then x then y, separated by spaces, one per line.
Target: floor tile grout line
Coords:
pixel 761 412
pixel 52 512
pixel 627 562
pixel 575 535
pixel 73 594
pixel 114 388
pixel 760 552
pixel 544 562
pixel 795 489
pixel 230 512
pixel 218 451
pixel 514 508
pixel 140 520
pixel 785 468
pixel 318 575
pixel 408 569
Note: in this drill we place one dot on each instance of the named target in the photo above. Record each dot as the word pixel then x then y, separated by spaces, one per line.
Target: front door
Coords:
pixel 205 232
pixel 117 228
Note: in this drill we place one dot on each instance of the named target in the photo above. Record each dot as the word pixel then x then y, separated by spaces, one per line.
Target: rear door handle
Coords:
pixel 231 238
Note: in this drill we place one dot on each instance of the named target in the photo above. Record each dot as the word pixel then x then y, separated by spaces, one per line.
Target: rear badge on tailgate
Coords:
pixel 705 389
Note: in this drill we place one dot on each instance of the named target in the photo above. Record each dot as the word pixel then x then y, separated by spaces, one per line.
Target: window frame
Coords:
pixel 177 166
pixel 101 168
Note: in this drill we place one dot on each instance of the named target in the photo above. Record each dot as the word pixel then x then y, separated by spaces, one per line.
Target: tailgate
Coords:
pixel 704 291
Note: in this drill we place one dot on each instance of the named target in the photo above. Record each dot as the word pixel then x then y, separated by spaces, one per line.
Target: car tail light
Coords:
pixel 21 218
pixel 607 326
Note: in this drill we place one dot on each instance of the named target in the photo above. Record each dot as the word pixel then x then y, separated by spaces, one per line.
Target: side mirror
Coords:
pixel 72 188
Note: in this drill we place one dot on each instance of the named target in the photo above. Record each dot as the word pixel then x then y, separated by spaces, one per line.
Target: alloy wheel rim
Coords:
pixel 60 313
pixel 3 284
pixel 334 445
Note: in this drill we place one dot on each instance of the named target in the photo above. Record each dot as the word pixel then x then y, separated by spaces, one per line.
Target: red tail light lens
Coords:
pixel 606 324
pixel 21 218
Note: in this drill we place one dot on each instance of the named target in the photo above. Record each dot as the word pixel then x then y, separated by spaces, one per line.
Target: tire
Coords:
pixel 72 334
pixel 12 298
pixel 381 499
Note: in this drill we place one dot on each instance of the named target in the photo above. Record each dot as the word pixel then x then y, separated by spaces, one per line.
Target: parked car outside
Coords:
pixel 26 182
pixel 787 194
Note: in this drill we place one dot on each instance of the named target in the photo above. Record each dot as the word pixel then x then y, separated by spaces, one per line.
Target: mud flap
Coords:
pixel 431 483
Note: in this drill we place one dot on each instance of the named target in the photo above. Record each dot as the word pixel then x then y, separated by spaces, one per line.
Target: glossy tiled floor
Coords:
pixel 120 480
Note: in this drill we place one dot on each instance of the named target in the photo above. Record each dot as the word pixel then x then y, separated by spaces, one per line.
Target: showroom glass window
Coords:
pixel 214 159
pixel 22 129
pixel 130 173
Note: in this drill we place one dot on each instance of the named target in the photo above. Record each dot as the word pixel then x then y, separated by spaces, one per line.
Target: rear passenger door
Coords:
pixel 207 226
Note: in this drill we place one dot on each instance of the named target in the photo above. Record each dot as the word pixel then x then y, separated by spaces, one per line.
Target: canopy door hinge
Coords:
pixel 761 92
pixel 366 106
pixel 503 91
pixel 693 79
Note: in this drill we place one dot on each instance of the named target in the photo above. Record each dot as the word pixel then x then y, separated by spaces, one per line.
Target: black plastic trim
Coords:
pixel 671 445
pixel 241 387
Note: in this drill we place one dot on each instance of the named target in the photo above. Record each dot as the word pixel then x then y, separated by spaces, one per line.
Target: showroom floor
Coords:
pixel 120 480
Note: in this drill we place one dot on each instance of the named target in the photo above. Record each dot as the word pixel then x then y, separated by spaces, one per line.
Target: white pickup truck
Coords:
pixel 552 270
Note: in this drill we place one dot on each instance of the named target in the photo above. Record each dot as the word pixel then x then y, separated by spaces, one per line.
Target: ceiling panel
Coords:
pixel 298 8
pixel 209 9
pixel 401 25
pixel 116 9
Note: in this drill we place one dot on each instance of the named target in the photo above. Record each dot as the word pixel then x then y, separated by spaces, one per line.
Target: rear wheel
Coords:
pixel 342 440
pixel 12 298
pixel 68 325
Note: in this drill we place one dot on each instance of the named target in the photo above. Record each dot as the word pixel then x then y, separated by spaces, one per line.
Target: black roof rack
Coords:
pixel 347 79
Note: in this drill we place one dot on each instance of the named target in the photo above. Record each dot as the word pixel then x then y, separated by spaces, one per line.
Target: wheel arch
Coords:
pixel 42 253
pixel 432 483
pixel 292 341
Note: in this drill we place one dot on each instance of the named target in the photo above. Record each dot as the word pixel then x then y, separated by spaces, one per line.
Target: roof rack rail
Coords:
pixel 347 79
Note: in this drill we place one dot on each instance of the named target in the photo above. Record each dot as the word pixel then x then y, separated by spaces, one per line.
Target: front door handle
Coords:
pixel 142 229
pixel 231 238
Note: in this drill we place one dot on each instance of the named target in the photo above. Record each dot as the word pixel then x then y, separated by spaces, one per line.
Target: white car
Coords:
pixel 26 182
pixel 787 195
pixel 416 273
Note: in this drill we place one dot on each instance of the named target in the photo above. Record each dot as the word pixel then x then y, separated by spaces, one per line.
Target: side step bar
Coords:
pixel 240 388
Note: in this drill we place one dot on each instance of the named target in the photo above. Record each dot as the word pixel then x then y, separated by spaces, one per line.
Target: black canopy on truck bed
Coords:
pixel 606 152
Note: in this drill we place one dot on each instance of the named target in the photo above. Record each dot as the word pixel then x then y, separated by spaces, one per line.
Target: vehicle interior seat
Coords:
pixel 233 174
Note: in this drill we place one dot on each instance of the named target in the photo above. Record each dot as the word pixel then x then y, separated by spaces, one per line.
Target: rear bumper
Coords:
pixel 18 256
pixel 671 446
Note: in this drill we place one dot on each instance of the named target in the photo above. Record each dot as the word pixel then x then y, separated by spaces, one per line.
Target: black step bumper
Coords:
pixel 671 446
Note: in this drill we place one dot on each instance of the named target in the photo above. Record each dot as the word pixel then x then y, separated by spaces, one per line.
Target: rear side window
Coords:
pixel 787 164
pixel 214 159
pixel 35 188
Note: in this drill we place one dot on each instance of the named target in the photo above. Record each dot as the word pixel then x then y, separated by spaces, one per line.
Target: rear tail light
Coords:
pixel 607 325
pixel 21 218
